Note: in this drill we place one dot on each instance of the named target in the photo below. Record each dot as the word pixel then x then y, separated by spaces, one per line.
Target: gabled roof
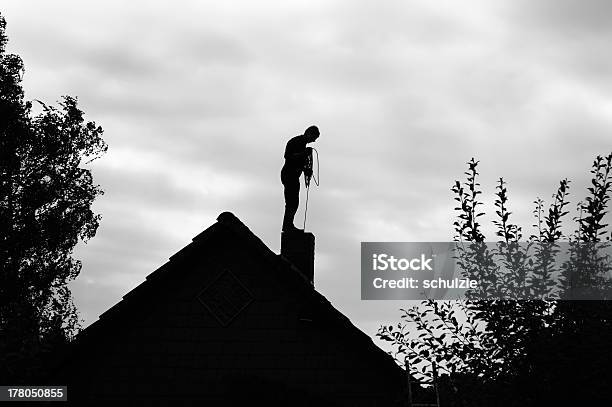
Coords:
pixel 137 302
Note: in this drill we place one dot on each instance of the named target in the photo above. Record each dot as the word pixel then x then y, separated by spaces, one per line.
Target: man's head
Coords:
pixel 311 134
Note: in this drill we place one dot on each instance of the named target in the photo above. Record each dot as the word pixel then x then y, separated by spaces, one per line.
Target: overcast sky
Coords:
pixel 198 98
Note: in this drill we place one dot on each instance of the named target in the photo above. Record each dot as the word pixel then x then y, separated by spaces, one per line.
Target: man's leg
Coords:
pixel 292 201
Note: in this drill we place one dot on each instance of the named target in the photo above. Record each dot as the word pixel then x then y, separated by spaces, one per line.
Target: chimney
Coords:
pixel 298 248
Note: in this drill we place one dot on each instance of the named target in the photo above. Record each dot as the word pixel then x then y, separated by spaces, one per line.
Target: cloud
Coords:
pixel 197 102
pixel 566 17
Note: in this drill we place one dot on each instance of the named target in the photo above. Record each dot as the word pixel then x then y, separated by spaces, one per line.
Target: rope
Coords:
pixel 306 209
pixel 316 180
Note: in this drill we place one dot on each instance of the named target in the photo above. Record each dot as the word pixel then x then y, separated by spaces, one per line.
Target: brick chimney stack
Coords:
pixel 298 248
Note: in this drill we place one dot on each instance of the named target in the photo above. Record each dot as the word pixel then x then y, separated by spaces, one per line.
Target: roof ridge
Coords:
pixel 279 264
pixel 229 220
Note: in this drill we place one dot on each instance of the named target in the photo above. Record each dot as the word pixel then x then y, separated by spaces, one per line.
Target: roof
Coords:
pixel 118 318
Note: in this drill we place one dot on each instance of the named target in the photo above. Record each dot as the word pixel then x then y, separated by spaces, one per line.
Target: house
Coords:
pixel 228 322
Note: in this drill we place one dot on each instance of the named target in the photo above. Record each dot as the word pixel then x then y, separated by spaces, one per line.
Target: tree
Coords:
pixel 524 351
pixel 45 210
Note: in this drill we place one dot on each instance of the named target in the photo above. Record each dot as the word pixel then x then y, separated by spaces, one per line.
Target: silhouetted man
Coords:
pixel 295 159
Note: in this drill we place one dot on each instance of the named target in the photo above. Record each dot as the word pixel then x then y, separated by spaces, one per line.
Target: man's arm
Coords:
pixel 298 155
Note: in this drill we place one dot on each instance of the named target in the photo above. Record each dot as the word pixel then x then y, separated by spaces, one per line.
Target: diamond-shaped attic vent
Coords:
pixel 225 297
